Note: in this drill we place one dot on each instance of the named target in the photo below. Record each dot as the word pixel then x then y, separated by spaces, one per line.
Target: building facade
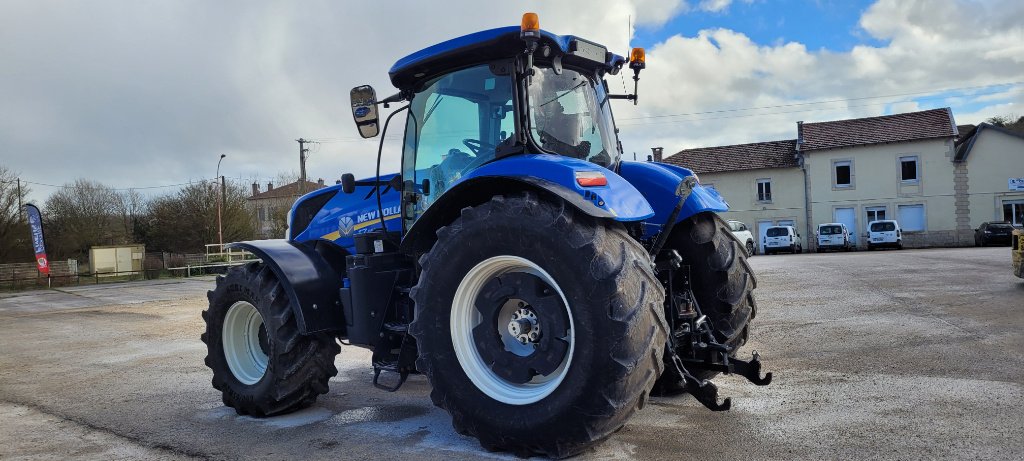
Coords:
pixel 272 205
pixel 915 168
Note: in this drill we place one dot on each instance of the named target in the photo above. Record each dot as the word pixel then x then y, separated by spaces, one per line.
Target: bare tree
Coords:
pixel 1010 122
pixel 82 215
pixel 187 220
pixel 15 241
pixel 130 206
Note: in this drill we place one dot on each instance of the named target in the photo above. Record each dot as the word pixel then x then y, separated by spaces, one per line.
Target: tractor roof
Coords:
pixel 480 46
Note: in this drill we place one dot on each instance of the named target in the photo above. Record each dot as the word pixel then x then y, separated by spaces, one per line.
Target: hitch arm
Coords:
pixel 747 369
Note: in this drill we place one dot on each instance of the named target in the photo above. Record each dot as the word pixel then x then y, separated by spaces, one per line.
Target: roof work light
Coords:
pixel 637 59
pixel 530 27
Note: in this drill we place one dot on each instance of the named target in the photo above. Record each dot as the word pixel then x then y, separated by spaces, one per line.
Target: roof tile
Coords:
pixel 927 124
pixel 771 154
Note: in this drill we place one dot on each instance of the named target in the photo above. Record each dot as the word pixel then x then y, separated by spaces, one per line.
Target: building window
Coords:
pixel 764 190
pixel 1014 212
pixel 875 213
pixel 842 173
pixel 909 169
pixel 911 217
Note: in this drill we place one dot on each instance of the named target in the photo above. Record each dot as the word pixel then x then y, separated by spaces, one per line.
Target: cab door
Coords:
pixel 454 125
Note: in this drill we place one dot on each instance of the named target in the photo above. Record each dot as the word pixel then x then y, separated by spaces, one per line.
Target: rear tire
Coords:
pixel 520 252
pixel 722 283
pixel 750 248
pixel 260 362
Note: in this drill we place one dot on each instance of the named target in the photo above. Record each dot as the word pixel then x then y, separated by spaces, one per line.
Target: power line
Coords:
pixel 793 111
pixel 861 98
pixel 67 186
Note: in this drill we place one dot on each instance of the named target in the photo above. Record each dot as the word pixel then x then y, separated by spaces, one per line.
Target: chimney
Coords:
pixel 320 182
pixel 657 153
pixel 255 188
pixel 270 186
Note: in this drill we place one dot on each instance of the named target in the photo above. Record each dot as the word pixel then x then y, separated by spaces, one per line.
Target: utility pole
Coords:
pixel 220 201
pixel 21 206
pixel 302 164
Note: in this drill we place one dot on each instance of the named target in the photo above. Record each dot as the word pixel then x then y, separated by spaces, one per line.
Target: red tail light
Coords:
pixel 591 178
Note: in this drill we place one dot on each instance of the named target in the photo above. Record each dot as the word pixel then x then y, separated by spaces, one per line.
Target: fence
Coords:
pixel 19 276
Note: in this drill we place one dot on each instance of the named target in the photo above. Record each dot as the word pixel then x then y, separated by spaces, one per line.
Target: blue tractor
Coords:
pixel 545 286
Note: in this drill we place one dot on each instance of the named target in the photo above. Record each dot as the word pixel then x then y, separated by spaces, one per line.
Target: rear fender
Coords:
pixel 550 175
pixel 658 182
pixel 310 277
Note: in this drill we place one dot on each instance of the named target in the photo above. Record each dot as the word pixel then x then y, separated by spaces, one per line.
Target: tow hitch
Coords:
pixel 694 347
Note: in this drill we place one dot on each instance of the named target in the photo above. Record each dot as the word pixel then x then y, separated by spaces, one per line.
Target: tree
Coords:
pixel 15 241
pixel 1008 122
pixel 186 221
pixel 82 215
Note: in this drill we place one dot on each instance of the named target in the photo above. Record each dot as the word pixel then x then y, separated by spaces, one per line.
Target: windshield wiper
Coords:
pixel 432 107
pixel 556 98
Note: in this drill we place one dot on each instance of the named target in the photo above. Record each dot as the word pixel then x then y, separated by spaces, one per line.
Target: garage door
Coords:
pixel 847 216
pixel 762 229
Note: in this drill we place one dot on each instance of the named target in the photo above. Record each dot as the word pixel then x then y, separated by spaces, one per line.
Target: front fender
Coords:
pixel 619 198
pixel 309 281
pixel 658 183
pixel 543 173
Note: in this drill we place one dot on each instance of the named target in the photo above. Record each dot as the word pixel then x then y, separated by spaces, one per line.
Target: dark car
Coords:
pixel 993 233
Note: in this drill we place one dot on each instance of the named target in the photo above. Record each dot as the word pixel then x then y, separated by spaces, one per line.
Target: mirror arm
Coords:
pixel 397 97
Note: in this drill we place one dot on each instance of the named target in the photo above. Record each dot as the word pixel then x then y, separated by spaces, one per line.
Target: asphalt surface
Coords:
pixel 913 354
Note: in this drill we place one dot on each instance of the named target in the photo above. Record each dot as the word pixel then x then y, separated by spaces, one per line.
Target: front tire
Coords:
pixel 750 248
pixel 260 362
pixel 540 329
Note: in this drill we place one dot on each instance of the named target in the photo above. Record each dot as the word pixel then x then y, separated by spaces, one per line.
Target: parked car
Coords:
pixel 833 236
pixel 782 238
pixel 993 233
pixel 742 233
pixel 885 233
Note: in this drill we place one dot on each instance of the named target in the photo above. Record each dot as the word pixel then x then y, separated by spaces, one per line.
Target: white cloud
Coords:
pixel 714 6
pixel 927 46
pixel 134 93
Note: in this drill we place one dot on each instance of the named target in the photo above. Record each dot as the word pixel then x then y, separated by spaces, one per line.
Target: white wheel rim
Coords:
pixel 465 317
pixel 241 340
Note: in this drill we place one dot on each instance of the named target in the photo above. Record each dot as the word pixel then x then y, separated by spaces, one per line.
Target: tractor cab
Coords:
pixel 486 96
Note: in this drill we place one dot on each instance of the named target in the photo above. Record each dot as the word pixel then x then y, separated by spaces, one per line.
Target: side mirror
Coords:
pixel 364 110
pixel 348 183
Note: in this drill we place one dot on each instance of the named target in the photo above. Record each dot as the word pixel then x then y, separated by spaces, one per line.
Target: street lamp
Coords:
pixel 220 200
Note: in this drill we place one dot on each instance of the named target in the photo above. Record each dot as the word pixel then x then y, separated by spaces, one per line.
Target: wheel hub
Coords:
pixel 524 326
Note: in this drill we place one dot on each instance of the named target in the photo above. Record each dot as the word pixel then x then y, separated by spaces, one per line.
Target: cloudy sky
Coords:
pixel 137 93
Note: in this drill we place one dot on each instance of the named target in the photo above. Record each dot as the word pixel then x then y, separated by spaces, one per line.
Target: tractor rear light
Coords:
pixel 530 27
pixel 591 178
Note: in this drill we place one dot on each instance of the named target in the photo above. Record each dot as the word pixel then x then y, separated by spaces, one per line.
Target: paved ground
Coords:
pixel 898 355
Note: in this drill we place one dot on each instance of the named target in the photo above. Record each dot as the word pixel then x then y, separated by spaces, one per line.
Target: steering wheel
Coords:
pixel 477 146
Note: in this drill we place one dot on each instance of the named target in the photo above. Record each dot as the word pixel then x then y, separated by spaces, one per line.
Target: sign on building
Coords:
pixel 1016 184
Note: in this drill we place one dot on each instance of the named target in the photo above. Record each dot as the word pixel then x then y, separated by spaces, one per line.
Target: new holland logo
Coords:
pixel 346 225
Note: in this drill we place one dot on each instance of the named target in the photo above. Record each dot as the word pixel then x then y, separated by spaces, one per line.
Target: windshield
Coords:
pixel 778 231
pixel 571 116
pixel 830 230
pixel 883 227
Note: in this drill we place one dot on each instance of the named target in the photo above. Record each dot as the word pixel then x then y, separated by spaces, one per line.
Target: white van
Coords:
pixel 885 233
pixel 782 238
pixel 833 236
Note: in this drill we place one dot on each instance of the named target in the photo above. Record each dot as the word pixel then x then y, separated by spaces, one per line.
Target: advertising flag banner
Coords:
pixel 35 223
